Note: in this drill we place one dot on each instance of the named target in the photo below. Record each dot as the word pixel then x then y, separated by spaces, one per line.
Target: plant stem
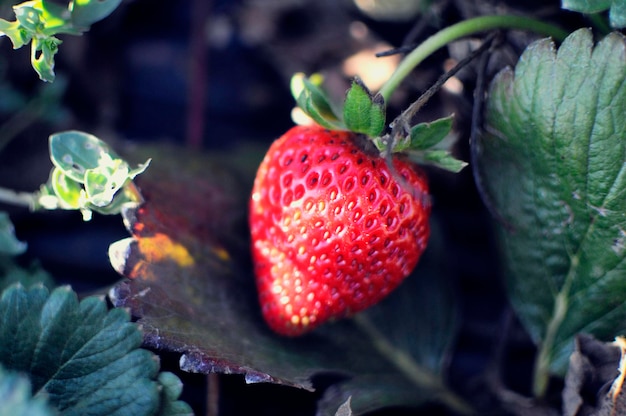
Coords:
pixel 402 121
pixel 23 199
pixel 543 361
pixel 544 358
pixel 460 30
pixel 403 362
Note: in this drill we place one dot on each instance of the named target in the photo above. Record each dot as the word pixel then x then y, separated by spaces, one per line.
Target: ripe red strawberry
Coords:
pixel 333 232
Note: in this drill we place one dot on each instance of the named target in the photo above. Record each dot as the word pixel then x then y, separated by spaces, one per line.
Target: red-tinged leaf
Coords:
pixel 192 288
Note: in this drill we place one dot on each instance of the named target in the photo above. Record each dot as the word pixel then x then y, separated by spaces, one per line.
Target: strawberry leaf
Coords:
pixel 193 290
pixel 11 273
pixel 313 101
pixel 16 397
pixel 617 9
pixel 427 135
pixel 9 244
pixel 363 112
pixel 440 158
pixel 79 355
pixel 553 167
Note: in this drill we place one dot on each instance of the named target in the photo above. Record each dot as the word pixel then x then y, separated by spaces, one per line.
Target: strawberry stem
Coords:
pixel 403 362
pixel 460 30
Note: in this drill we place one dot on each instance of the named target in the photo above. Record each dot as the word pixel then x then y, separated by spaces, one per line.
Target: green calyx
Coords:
pixel 362 112
pixel 365 113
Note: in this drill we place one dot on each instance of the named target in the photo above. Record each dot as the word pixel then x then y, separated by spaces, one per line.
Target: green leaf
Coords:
pixel 28 17
pixel 16 398
pixel 14 31
pixel 55 18
pixel 11 273
pixel 443 159
pixel 88 176
pixel 312 100
pixel 81 356
pixel 103 182
pixel 427 135
pixel 171 388
pixel 440 158
pixel 42 57
pixel 74 152
pixel 9 245
pixel 553 166
pixel 617 14
pixel 586 6
pixel 68 193
pixel 87 12
pixel 40 21
pixel 139 169
pixel 363 112
pixel 617 9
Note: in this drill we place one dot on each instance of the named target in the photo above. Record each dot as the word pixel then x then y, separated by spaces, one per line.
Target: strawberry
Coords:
pixel 333 230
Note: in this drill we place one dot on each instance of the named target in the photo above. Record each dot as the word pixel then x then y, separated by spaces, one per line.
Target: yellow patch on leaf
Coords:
pixel 160 247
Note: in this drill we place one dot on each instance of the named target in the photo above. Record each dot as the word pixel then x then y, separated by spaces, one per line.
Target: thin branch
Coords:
pixel 400 126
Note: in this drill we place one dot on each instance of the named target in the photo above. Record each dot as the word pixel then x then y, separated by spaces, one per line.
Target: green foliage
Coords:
pixel 9 245
pixel 427 144
pixel 11 273
pixel 553 167
pixel 88 175
pixel 313 101
pixel 38 21
pixel 441 158
pixel 617 9
pixel 16 397
pixel 84 13
pixel 171 388
pixel 81 356
pixel 426 135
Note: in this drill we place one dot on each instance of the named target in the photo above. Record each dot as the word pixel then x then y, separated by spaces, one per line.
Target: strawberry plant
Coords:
pixel 449 240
